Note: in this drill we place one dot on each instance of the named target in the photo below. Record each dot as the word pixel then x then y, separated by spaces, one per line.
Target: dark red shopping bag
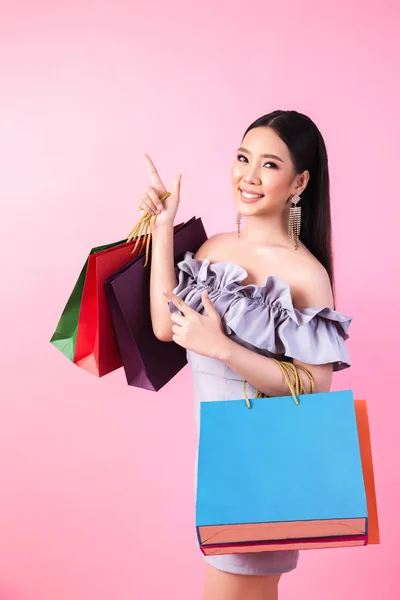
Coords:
pixel 96 348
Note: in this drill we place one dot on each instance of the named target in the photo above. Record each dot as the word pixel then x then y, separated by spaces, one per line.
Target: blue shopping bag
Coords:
pixel 280 476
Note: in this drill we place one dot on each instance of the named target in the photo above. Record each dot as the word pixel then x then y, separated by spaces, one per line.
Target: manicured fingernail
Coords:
pixel 160 207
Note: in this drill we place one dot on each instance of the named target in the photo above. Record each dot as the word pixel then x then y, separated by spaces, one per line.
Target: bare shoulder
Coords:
pixel 308 279
pixel 313 284
pixel 214 246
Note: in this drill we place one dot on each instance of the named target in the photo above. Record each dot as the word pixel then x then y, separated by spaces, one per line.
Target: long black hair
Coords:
pixel 308 152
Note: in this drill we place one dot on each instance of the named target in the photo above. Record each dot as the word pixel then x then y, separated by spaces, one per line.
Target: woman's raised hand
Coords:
pixel 150 202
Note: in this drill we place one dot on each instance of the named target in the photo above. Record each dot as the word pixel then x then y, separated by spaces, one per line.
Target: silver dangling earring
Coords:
pixel 238 222
pixel 295 221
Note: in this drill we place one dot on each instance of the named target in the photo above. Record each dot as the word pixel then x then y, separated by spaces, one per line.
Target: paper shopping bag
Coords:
pixel 368 470
pixel 96 347
pixel 148 362
pixel 64 337
pixel 280 476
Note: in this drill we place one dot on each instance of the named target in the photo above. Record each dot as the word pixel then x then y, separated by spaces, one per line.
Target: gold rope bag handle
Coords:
pixel 293 379
pixel 144 227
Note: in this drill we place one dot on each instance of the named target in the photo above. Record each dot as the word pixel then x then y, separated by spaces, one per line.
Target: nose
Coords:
pixel 252 177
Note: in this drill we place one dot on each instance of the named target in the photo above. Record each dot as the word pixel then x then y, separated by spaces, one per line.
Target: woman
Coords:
pixel 265 290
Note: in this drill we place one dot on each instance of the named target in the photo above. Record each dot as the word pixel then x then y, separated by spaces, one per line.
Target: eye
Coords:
pixel 244 159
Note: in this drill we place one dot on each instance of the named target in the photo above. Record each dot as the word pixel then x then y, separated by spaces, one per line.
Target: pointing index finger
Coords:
pixel 155 178
pixel 179 303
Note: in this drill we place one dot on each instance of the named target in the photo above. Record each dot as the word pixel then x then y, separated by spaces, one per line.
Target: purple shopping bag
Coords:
pixel 148 362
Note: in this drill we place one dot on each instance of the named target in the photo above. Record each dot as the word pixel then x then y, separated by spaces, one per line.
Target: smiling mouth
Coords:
pixel 249 196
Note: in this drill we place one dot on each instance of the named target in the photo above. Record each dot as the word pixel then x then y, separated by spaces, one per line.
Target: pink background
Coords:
pixel 96 477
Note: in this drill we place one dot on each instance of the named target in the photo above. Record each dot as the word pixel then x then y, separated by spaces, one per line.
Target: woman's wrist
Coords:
pixel 163 239
pixel 164 231
pixel 224 349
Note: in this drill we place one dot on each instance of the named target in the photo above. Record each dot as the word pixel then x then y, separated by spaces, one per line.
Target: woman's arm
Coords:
pixel 162 278
pixel 162 275
pixel 204 334
pixel 264 374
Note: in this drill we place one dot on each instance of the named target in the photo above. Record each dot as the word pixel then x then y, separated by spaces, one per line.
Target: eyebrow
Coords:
pixel 263 155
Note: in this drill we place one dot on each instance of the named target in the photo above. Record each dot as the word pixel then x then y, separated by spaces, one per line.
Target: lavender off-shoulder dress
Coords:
pixel 263 319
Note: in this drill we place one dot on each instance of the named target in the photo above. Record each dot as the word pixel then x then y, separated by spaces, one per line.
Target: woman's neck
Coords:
pixel 265 230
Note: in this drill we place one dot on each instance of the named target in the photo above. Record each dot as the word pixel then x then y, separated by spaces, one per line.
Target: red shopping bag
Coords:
pixel 96 347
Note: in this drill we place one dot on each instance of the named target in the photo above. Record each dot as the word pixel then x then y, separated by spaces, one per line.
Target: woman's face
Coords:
pixel 263 175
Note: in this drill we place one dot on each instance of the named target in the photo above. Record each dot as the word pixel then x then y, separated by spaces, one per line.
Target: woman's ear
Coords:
pixel 302 182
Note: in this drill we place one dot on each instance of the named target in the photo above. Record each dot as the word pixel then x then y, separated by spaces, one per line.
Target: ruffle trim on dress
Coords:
pixel 264 316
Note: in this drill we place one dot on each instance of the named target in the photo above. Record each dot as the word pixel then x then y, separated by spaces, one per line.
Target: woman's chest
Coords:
pixel 261 263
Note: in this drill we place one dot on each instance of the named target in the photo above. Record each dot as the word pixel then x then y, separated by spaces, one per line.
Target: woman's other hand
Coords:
pixel 203 334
